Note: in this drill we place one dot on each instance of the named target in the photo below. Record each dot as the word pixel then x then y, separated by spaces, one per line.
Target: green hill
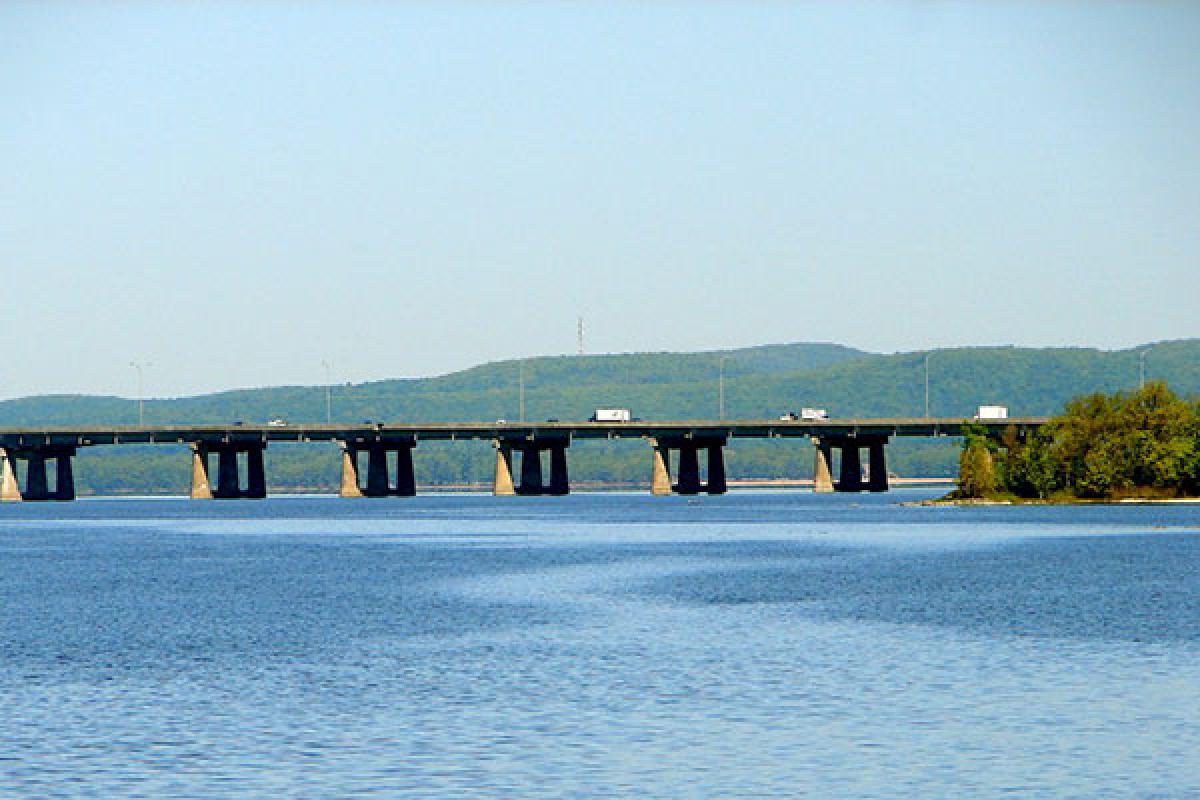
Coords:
pixel 759 382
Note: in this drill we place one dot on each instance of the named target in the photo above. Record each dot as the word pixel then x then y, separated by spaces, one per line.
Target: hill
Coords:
pixel 759 382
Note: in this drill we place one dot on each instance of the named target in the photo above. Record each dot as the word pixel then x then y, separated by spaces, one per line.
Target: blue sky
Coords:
pixel 237 192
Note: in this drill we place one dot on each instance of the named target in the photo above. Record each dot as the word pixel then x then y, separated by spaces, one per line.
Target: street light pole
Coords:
pixel 927 386
pixel 328 392
pixel 1142 368
pixel 139 366
pixel 721 389
pixel 521 389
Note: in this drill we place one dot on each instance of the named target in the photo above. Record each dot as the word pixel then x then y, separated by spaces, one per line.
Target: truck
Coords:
pixel 813 414
pixel 992 412
pixel 611 415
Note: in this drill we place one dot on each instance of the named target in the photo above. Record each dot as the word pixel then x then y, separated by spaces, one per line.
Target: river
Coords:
pixel 758 644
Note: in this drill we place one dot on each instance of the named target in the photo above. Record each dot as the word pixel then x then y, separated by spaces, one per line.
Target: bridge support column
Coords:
pixel 228 477
pixel 227 474
pixel 36 487
pixel 877 478
pixel 531 471
pixel 200 488
pixel 689 469
pixel 688 481
pixel 379 480
pixel 349 484
pixel 502 485
pixel 406 479
pixel 10 487
pixel 256 473
pixel 660 476
pixel 716 470
pixel 64 477
pixel 850 473
pixel 377 472
pixel 822 475
pixel 560 483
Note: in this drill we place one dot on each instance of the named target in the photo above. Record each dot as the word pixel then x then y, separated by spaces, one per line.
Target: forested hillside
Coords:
pixel 759 382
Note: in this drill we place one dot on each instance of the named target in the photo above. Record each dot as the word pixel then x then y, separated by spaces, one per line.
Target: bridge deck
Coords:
pixel 452 431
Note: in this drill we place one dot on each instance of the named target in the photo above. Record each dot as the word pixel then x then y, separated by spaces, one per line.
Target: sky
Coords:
pixel 237 193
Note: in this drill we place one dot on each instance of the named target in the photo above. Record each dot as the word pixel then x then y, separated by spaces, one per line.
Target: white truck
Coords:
pixel 807 414
pixel 992 412
pixel 612 415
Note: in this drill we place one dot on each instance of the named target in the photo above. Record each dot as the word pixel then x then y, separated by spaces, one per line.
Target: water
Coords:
pixel 752 645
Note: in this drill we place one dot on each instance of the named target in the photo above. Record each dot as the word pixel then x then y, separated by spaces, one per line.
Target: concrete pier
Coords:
pixel 200 487
pixel 531 471
pixel 502 485
pixel 822 474
pixel 716 470
pixel 228 471
pixel 532 481
pixel 10 487
pixel 406 477
pixel 37 483
pixel 64 482
pixel 877 480
pixel 850 472
pixel 36 487
pixel 660 477
pixel 379 476
pixel 688 480
pixel 349 484
pixel 377 472
pixel 560 482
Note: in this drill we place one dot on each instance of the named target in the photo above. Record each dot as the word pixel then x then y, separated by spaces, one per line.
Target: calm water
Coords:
pixel 750 645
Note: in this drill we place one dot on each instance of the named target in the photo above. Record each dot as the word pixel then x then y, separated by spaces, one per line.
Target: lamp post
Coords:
pixel 927 386
pixel 1142 367
pixel 721 388
pixel 328 392
pixel 521 390
pixel 139 366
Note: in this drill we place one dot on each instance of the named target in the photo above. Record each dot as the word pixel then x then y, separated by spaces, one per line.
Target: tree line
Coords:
pixel 1141 443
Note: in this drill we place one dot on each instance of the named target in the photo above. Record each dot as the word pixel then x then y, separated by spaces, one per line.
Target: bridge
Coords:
pixel 239 450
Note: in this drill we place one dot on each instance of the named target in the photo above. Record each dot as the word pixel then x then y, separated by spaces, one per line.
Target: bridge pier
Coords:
pixel 379 481
pixel 688 481
pixel 200 488
pixel 228 478
pixel 877 475
pixel 531 471
pixel 560 483
pixel 822 474
pixel 37 484
pixel 660 477
pixel 850 473
pixel 532 476
pixel 502 485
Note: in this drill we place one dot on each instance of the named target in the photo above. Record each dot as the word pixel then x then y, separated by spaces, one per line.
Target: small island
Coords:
pixel 1134 446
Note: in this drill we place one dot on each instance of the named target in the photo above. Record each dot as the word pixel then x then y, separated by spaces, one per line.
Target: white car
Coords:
pixel 277 423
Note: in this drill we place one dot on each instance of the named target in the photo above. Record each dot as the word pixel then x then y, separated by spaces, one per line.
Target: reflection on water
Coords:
pixel 747 645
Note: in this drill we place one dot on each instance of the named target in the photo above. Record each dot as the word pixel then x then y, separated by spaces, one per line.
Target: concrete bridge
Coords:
pixel 239 450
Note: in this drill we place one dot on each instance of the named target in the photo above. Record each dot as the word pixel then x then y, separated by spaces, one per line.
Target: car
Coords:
pixel 277 423
pixel 501 422
pixel 789 416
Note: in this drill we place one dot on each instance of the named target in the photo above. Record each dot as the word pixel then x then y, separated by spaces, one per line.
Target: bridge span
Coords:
pixel 239 449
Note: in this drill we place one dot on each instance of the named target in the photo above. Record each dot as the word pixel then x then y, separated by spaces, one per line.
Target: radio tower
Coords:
pixel 579 334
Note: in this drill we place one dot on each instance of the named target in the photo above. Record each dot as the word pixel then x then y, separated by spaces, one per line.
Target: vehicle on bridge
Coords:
pixel 806 414
pixel 611 415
